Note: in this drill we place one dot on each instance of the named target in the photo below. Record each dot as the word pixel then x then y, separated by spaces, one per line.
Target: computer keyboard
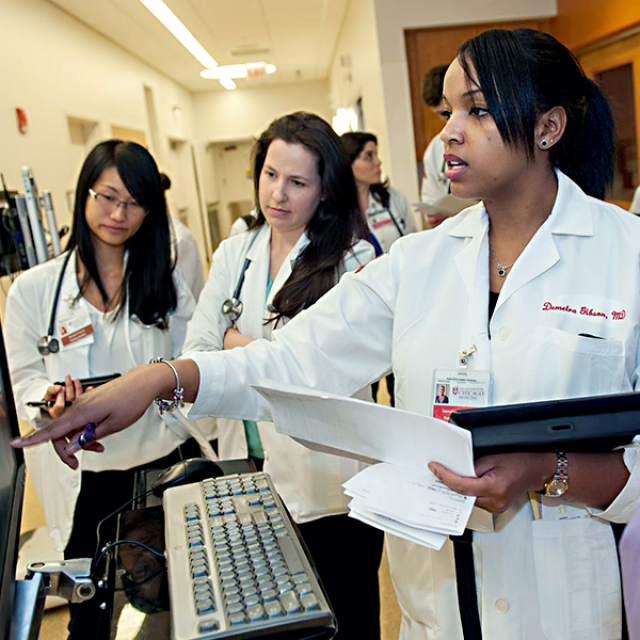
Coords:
pixel 236 567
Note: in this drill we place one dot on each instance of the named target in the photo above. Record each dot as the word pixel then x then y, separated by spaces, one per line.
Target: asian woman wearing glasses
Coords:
pixel 110 302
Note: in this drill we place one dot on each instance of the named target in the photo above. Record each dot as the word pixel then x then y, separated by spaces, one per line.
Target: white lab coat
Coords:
pixel 310 483
pixel 416 308
pixel 382 221
pixel 434 181
pixel 27 319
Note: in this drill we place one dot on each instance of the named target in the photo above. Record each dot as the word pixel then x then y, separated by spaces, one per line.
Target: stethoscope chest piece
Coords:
pixel 232 308
pixel 47 345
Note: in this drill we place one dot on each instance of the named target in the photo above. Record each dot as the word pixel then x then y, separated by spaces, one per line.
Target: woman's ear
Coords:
pixel 550 128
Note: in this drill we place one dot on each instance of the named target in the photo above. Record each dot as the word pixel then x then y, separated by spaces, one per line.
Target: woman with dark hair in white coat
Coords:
pixel 542 279
pixel 111 302
pixel 303 238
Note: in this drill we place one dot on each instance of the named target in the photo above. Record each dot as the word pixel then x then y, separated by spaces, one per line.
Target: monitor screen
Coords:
pixel 11 493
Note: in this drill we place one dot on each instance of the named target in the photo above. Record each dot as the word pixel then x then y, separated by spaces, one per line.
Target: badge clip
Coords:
pixel 464 355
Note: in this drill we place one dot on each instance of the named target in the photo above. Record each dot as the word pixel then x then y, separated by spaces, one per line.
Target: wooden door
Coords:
pixel 616 68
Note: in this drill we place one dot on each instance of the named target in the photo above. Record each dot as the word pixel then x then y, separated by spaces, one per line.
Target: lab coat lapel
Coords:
pixel 570 216
pixel 73 361
pixel 254 289
pixel 473 267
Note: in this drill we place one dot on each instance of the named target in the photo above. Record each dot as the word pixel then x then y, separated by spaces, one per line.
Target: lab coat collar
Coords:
pixel 571 215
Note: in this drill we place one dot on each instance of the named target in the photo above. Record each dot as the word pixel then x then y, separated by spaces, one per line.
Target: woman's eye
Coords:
pixel 479 111
pixel 297 183
pixel 446 114
pixel 108 198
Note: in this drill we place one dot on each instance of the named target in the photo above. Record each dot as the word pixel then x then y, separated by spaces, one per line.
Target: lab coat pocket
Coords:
pixel 562 364
pixel 578 579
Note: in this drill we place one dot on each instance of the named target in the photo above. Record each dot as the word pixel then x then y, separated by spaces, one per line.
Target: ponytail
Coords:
pixel 586 150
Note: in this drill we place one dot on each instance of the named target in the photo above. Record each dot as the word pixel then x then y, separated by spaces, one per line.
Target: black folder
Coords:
pixel 594 423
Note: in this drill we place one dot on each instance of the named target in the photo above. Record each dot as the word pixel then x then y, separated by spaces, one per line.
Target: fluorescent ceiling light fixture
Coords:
pixel 169 19
pixel 228 83
pixel 236 71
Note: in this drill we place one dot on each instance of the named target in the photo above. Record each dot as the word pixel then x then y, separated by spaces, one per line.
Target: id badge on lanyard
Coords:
pixel 461 388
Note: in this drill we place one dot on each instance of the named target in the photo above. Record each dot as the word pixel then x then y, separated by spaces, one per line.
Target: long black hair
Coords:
pixel 354 142
pixel 524 73
pixel 148 279
pixel 337 223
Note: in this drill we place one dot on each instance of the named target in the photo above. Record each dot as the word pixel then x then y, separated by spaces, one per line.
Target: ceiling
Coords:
pixel 298 36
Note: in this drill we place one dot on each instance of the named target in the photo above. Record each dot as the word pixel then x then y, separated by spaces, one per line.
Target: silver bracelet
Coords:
pixel 178 392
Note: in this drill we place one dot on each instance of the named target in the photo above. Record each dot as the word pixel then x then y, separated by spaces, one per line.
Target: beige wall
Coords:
pixel 54 67
pixel 225 116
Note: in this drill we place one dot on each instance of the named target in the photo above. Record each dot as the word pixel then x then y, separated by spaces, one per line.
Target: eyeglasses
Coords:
pixel 109 204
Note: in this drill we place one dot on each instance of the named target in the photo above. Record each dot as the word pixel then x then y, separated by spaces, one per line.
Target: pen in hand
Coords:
pixel 47 403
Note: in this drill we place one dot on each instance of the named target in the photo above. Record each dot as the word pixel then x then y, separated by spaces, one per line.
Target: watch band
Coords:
pixel 559 484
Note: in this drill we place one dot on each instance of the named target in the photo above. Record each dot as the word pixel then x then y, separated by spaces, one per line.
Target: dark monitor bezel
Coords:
pixel 9 545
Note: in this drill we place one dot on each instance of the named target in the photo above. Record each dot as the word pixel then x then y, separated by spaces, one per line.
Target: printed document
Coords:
pixel 401 496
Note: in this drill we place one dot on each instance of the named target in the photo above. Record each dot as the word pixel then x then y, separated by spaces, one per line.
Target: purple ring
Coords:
pixel 88 434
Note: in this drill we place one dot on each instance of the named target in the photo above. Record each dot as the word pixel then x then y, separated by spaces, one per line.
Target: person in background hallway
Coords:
pixel 434 181
pixel 187 255
pixel 120 303
pixel 385 210
pixel 242 224
pixel 303 238
pixel 532 137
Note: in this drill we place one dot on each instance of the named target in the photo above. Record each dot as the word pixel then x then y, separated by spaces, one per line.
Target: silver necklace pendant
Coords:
pixel 502 271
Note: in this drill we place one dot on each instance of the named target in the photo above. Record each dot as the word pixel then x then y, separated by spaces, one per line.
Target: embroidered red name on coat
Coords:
pixel 585 311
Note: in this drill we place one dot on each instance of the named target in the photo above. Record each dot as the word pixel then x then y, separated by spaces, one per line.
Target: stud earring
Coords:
pixel 544 144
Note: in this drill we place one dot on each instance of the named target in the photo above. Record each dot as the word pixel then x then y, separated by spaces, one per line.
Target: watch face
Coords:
pixel 557 487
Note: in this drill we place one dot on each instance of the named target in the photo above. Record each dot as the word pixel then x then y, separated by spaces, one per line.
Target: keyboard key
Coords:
pixel 255 613
pixel 208 627
pixel 235 609
pixel 310 602
pixel 205 609
pixel 290 602
pixel 237 619
pixel 252 600
pixel 269 595
pixel 273 610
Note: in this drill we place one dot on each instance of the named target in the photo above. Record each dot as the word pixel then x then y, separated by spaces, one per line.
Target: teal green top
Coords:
pixel 251 433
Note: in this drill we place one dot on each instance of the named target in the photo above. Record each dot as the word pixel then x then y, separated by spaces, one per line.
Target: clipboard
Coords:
pixel 593 423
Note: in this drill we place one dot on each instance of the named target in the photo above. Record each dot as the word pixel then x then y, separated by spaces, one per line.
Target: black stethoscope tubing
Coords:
pixel 232 307
pixel 48 344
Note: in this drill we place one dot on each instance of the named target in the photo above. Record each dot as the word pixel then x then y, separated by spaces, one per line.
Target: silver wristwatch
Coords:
pixel 559 484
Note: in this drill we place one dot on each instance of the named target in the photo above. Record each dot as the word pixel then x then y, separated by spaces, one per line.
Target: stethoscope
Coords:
pixel 48 344
pixel 232 307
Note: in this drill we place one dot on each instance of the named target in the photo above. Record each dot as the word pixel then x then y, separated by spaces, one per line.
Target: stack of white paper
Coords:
pixel 411 504
pixel 401 496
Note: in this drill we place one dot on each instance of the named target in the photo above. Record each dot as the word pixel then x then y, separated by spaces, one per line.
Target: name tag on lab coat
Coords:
pixel 76 330
pixel 455 389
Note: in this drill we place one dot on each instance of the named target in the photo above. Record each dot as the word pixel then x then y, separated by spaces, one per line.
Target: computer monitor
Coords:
pixel 11 494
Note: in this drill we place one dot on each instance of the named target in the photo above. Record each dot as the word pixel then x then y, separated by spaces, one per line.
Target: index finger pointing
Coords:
pixel 55 430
